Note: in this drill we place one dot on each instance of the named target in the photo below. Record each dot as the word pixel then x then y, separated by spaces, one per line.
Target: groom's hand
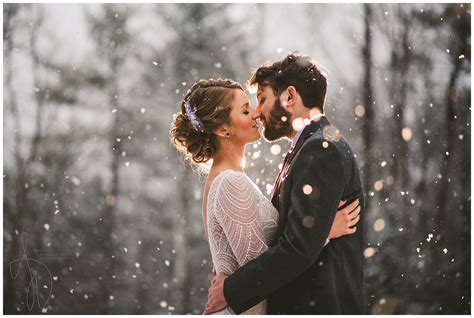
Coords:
pixel 215 297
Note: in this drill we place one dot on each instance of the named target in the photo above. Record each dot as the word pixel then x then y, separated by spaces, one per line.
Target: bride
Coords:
pixel 215 122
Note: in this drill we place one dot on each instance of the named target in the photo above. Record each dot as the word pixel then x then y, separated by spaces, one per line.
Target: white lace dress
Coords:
pixel 241 221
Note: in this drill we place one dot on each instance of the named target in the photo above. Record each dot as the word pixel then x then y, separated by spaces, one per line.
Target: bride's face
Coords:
pixel 244 119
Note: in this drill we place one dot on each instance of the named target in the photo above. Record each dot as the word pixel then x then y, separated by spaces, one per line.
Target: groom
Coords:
pixel 296 275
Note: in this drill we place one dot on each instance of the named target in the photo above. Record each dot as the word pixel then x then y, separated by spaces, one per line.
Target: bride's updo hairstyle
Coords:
pixel 205 107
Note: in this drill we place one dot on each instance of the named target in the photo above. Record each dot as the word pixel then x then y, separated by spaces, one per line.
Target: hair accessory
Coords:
pixel 191 113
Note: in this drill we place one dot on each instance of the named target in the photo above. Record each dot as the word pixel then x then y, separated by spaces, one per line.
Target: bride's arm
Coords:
pixel 237 214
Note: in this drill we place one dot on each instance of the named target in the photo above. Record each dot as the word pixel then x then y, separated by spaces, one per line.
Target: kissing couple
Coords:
pixel 300 252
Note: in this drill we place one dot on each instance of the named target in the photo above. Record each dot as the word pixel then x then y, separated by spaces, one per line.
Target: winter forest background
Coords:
pixel 94 191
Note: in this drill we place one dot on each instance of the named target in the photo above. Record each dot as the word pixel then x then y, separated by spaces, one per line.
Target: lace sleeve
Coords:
pixel 237 213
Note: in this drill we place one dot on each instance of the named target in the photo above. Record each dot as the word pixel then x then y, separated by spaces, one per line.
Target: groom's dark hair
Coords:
pixel 297 70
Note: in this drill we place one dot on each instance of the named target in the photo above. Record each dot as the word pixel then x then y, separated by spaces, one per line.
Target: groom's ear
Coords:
pixel 289 97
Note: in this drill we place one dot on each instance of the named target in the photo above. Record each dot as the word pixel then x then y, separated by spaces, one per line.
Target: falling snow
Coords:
pixel 100 223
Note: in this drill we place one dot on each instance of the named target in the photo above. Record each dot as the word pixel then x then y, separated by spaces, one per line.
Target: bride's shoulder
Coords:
pixel 231 179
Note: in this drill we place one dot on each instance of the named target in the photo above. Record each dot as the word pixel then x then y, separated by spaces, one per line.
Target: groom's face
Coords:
pixel 275 119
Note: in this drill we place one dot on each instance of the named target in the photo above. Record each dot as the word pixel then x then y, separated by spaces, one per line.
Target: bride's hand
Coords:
pixel 215 299
pixel 345 219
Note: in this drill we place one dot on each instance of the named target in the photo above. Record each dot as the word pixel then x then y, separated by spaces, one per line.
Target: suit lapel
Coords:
pixel 307 132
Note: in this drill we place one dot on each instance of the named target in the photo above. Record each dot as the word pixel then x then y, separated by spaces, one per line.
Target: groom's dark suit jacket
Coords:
pixel 298 275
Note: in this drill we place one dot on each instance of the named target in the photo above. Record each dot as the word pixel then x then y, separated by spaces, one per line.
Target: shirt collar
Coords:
pixel 298 134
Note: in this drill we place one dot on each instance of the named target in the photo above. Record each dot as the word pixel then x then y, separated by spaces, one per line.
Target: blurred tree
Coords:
pixel 458 24
pixel 108 30
pixel 14 209
pixel 36 188
pixel 366 111
pixel 420 262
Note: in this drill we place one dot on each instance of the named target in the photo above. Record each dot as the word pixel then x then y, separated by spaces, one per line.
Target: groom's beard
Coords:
pixel 275 127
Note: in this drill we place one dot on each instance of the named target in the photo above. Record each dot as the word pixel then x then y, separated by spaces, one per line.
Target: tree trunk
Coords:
pixel 17 211
pixel 465 290
pixel 368 98
pixel 450 128
pixel 400 63
pixel 109 220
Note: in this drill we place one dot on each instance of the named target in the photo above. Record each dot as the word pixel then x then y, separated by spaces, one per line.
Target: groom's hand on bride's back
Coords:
pixel 345 220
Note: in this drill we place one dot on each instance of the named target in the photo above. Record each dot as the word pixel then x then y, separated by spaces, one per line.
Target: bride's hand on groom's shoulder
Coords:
pixel 345 220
